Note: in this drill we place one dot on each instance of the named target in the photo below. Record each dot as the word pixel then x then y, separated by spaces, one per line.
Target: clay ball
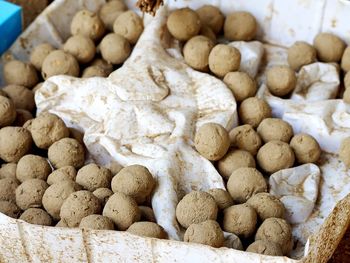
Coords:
pixel 92 176
pixel 97 222
pixel 233 160
pixel 59 62
pixel 19 73
pixel 67 152
pixel 276 230
pixel 94 71
pixel 55 195
pixel 81 47
pixel 196 52
pixel 244 183
pixel 253 110
pixel 221 197
pixel 7 189
pixel 22 97
pixel 36 216
pixel 62 174
pixel 300 54
pixel 207 233
pixel 184 24
pixel 344 152
pixel 212 141
pixel 135 181
pixel 30 193
pixel 123 210
pixel 88 24
pixel 329 47
pixel 103 194
pixel 345 60
pixel 7 111
pixel 241 85
pixel 266 206
pixel 306 148
pixel 106 66
pixel 224 59
pixel 22 116
pixel 147 214
pixel 115 48
pixel 265 247
pixel 46 129
pixel 79 205
pixel 244 137
pixel 10 209
pixel 110 11
pixel 271 129
pixel 207 32
pixel 240 26
pixel 8 170
pixel 240 220
pixel 32 166
pixel 196 207
pixel 281 80
pixel 275 156
pixel 129 25
pixel 212 17
pixel 147 229
pixel 15 142
pixel 39 54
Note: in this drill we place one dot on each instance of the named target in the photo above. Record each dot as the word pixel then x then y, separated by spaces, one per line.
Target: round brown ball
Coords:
pixel 147 229
pixel 266 206
pixel 196 52
pixel 345 60
pixel 224 59
pixel 123 210
pixel 19 73
pixel 103 195
pixel 39 54
pixel 30 193
pixel 240 220
pixel 241 85
pixel 240 26
pixel 129 25
pixel 276 230
pixel 253 110
pixel 115 48
pixel 94 71
pixel 212 141
pixel 47 129
pixel 306 148
pixel 281 80
pixel 272 129
pixel 10 209
pixel 212 17
pixel 207 32
pixel 275 156
pixel 221 197
pixel 233 160
pixel 32 166
pixel 184 24
pixel 329 47
pixel 196 207
pixel 22 116
pixel 244 137
pixel 244 183
pixel 110 11
pixel 207 233
pixel 15 142
pixel 88 24
pixel 7 189
pixel 135 181
pixel 7 111
pixel 55 195
pixel 344 152
pixel 147 214
pixel 62 174
pixel 265 247
pixel 36 216
pixel 106 66
pixel 22 97
pixel 81 47
pixel 92 176
pixel 59 62
pixel 97 222
pixel 300 54
pixel 79 205
pixel 66 152
pixel 8 170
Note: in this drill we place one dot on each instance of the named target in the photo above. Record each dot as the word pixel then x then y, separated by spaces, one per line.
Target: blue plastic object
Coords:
pixel 10 24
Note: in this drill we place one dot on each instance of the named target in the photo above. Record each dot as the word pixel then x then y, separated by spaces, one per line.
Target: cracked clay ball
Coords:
pixel 266 206
pixel 92 176
pixel 29 194
pixel 207 233
pixel 88 24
